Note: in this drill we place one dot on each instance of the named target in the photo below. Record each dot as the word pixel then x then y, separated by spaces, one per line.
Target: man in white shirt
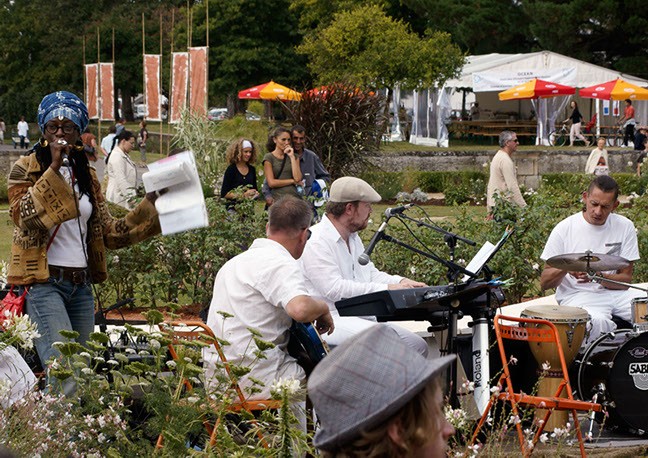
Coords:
pixel 503 178
pixel 598 230
pixel 263 289
pixel 330 260
pixel 23 132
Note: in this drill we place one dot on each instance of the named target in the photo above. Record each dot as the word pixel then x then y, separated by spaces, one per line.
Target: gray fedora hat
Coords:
pixel 363 383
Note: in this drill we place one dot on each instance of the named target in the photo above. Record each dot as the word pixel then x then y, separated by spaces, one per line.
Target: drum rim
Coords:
pixel 559 320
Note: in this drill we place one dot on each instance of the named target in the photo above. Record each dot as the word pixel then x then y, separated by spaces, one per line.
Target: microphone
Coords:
pixel 397 210
pixel 364 258
pixel 64 156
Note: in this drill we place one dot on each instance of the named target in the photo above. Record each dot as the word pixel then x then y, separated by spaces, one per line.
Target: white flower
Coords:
pixel 468 386
pixel 171 364
pixel 85 354
pixel 629 163
pixel 496 390
pixel 513 360
pixel 113 362
pixel 5 389
pixel 154 344
pixel 412 270
pixel 290 386
pixel 514 420
pixel 544 438
pixel 115 260
pixel 87 371
pixel 546 366
pixel 485 164
pixel 536 266
pixel 588 437
pixel 193 399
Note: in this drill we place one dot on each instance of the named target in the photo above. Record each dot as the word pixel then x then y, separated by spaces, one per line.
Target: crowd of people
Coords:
pixel 366 402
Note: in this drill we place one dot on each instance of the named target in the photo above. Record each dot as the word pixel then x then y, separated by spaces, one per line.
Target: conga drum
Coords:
pixel 640 314
pixel 571 323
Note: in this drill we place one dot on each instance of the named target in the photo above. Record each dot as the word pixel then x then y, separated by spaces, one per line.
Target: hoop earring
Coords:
pixel 43 142
pixel 78 147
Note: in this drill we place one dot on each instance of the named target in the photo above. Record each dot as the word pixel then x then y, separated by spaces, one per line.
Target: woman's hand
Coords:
pixel 251 194
pixel 153 195
pixel 289 151
pixel 57 149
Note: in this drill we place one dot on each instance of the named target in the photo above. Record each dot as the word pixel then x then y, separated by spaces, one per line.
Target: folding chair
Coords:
pixel 507 393
pixel 191 331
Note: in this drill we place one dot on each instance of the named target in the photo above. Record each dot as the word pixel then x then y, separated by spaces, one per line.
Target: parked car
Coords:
pixel 217 114
pixel 250 116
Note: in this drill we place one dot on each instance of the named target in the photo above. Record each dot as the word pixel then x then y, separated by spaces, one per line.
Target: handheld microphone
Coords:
pixel 397 210
pixel 364 258
pixel 64 156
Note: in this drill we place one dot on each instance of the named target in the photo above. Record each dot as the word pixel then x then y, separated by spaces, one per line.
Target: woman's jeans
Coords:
pixel 59 305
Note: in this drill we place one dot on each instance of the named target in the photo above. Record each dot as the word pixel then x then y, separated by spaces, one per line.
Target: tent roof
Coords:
pixel 586 74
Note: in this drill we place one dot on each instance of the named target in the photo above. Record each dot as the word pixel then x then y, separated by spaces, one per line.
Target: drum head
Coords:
pixel 555 313
pixel 628 382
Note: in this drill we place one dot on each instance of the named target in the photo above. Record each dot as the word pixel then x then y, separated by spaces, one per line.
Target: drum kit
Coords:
pixel 612 370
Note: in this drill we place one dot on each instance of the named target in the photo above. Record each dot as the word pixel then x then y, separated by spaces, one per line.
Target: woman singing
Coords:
pixel 62 225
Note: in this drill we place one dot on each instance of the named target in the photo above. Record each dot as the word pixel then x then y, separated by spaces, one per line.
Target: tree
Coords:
pixel 366 47
pixel 251 42
pixel 479 26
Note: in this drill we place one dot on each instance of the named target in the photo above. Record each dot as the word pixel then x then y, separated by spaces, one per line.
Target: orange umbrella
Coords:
pixel 617 89
pixel 270 91
pixel 536 88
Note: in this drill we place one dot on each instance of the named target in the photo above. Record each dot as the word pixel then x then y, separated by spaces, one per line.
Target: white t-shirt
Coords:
pixel 67 248
pixel 255 288
pixel 23 129
pixel 332 270
pixel 574 234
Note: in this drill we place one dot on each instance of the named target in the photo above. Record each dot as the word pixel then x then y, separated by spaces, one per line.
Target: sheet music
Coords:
pixel 182 207
pixel 480 259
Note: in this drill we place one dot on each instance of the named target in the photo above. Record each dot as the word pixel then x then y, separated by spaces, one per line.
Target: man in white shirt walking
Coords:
pixel 23 132
pixel 598 230
pixel 330 260
pixel 503 179
pixel 263 289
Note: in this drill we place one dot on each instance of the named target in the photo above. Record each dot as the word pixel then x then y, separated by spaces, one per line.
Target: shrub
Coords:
pixel 387 184
pixel 4 196
pixel 343 124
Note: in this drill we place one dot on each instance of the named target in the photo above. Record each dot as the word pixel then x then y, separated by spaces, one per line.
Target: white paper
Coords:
pixel 478 261
pixel 182 207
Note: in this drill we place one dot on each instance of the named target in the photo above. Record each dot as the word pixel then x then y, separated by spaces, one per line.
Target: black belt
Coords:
pixel 76 276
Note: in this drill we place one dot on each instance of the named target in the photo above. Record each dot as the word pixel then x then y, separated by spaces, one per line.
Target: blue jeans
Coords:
pixel 59 305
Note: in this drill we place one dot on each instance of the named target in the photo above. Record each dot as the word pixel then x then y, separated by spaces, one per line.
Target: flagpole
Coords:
pixel 160 95
pixel 99 81
pixel 143 63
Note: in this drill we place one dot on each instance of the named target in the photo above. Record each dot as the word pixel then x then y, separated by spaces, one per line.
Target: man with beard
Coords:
pixel 330 261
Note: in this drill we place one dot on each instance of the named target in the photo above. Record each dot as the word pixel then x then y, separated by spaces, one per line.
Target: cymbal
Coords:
pixel 578 262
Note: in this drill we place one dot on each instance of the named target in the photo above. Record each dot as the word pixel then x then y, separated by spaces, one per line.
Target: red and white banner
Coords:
pixel 92 90
pixel 180 72
pixel 152 87
pixel 107 91
pixel 198 80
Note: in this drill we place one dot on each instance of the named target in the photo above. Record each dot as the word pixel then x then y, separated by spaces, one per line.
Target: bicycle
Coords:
pixel 614 137
pixel 560 137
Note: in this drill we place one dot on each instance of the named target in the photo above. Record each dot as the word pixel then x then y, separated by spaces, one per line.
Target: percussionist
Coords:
pixel 599 230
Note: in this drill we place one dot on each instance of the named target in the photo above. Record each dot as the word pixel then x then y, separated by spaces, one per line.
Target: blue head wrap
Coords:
pixel 64 104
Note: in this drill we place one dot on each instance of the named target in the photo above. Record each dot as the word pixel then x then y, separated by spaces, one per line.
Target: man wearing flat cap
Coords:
pixel 330 261
pixel 378 397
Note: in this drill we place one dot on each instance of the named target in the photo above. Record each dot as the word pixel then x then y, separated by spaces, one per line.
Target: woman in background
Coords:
pixel 281 165
pixel 241 154
pixel 122 172
pixel 576 118
pixel 597 156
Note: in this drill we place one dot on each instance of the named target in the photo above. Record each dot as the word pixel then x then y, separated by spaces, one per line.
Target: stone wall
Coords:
pixel 7 158
pixel 531 165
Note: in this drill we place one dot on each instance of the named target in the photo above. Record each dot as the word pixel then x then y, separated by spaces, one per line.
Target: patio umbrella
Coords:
pixel 538 89
pixel 269 91
pixel 617 89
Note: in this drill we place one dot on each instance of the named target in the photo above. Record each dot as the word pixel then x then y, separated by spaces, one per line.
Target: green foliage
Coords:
pixel 4 196
pixel 181 268
pixel 577 183
pixel 387 184
pixel 343 125
pixel 370 49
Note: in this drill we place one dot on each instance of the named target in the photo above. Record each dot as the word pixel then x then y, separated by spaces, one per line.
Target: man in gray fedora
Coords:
pixel 330 261
pixel 378 397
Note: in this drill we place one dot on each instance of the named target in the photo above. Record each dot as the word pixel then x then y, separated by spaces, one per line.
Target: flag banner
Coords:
pixel 152 87
pixel 180 72
pixel 198 80
pixel 92 90
pixel 107 94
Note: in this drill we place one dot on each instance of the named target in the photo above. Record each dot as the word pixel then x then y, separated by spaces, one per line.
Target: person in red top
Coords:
pixel 628 121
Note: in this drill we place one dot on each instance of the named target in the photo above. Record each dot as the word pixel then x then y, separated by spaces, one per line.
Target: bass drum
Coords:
pixel 615 367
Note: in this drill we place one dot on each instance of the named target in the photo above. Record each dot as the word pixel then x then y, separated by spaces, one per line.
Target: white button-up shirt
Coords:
pixel 332 270
pixel 255 288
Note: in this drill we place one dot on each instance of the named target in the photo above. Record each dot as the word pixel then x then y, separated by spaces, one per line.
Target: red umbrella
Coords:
pixel 270 91
pixel 536 88
pixel 252 93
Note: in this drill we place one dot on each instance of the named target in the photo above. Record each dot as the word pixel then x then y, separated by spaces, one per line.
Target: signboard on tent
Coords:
pixel 500 81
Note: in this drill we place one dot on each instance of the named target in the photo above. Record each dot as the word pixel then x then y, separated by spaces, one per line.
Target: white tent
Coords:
pixel 488 74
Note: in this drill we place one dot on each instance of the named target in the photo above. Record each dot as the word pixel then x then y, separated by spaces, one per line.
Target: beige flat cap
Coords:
pixel 351 189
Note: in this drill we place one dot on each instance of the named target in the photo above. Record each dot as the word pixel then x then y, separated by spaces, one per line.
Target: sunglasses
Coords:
pixel 308 234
